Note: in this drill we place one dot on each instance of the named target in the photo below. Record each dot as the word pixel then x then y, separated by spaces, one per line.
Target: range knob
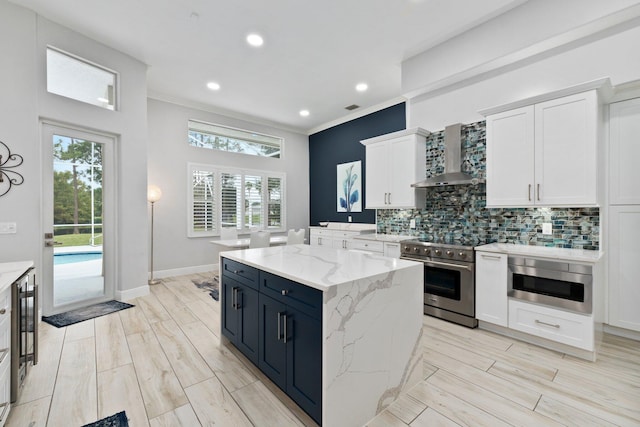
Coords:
pixel 462 255
pixel 427 251
pixel 416 249
pixel 438 252
pixel 449 254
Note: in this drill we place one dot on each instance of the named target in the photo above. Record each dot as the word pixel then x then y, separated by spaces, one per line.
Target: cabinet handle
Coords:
pixel 538 192
pixel 279 334
pixel 234 298
pixel 3 310
pixel 238 271
pixel 284 335
pixel 284 292
pixel 529 192
pixel 389 198
pixel 490 256
pixel 547 324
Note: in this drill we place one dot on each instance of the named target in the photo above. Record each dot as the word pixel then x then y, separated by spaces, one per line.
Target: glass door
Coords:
pixel 77 201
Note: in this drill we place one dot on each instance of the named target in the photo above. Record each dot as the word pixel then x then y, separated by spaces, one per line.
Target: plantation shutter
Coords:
pixel 253 215
pixel 274 203
pixel 203 201
pixel 231 200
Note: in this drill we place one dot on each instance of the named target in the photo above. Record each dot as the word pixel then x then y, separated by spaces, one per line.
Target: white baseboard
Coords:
pixel 130 294
pixel 621 332
pixel 161 274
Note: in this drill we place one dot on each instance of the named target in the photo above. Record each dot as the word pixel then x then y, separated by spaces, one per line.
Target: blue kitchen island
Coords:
pixel 338 330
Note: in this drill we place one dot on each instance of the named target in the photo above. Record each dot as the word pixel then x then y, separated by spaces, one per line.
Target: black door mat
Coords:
pixel 116 420
pixel 85 313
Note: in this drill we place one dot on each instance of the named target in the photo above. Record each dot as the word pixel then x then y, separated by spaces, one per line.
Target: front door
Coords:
pixel 78 207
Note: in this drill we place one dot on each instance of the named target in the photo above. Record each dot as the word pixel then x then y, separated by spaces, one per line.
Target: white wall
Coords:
pixel 169 153
pixel 24 102
pixel 615 56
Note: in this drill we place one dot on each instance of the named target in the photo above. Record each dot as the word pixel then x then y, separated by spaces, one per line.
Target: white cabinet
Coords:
pixel 392 250
pixel 565 327
pixel 545 154
pixel 394 162
pixel 624 152
pixel 491 288
pixel 624 266
pixel 339 239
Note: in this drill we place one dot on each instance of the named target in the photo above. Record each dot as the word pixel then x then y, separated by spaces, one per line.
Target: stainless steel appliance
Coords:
pixel 24 329
pixel 556 283
pixel 449 279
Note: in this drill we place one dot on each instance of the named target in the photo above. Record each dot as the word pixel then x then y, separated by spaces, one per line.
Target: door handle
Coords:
pixel 51 243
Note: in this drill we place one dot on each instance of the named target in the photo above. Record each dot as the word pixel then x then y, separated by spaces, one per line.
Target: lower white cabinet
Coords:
pixel 5 354
pixel 368 245
pixel 491 288
pixel 565 327
pixel 339 239
pixel 624 267
pixel 392 250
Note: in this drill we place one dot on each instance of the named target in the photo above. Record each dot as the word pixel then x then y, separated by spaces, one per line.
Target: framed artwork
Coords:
pixel 349 189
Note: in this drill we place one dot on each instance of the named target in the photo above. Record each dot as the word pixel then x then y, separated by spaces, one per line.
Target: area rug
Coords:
pixel 85 313
pixel 210 286
pixel 116 420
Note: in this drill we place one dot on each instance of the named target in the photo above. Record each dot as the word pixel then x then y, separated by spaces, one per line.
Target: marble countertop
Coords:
pixel 319 267
pixel 10 271
pixel 384 238
pixel 580 255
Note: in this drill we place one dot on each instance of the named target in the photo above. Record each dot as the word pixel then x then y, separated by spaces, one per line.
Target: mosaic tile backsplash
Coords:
pixel 458 213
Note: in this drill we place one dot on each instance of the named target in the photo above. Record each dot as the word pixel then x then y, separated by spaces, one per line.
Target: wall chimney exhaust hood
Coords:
pixel 452 163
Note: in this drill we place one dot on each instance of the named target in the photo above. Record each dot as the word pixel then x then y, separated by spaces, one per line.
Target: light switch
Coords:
pixel 8 228
pixel 546 228
pixel 412 224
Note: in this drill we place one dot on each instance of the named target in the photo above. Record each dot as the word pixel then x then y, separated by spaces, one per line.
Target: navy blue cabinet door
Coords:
pixel 240 313
pixel 304 362
pixel 273 348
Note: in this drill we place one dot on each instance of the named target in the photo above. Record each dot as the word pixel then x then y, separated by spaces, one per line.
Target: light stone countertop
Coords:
pixel 10 271
pixel 391 238
pixel 319 267
pixel 346 226
pixel 580 255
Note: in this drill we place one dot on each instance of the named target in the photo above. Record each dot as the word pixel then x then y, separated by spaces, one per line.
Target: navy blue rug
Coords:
pixel 85 313
pixel 117 420
pixel 208 285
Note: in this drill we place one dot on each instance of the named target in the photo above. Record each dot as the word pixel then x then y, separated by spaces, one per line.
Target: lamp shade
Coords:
pixel 153 193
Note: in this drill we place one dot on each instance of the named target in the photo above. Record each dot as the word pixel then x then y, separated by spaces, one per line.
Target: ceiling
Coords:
pixel 314 52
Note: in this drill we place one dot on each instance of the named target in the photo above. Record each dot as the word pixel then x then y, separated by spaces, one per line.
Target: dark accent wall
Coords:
pixel 341 144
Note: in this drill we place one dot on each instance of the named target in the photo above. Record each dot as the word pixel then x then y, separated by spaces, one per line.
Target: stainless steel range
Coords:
pixel 449 279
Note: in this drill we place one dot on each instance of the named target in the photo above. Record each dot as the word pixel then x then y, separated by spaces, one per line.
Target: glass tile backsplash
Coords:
pixel 458 214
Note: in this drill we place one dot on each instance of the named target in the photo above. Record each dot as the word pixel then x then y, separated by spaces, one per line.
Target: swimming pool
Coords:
pixel 70 258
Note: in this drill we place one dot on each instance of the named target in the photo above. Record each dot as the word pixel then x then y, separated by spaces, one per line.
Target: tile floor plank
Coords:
pixel 118 390
pixel 431 418
pixel 214 405
pixel 153 309
pixel 261 405
pixel 112 349
pixel 561 412
pixel 134 320
pixel 179 417
pixel 33 413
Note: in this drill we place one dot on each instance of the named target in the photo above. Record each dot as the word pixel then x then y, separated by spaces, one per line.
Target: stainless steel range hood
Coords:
pixel 452 163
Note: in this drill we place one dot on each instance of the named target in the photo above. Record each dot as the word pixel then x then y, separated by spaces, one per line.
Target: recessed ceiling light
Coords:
pixel 213 86
pixel 361 87
pixel 304 113
pixel 255 40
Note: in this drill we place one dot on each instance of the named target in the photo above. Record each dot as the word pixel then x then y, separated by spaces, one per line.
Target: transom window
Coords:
pixel 81 80
pixel 240 198
pixel 217 137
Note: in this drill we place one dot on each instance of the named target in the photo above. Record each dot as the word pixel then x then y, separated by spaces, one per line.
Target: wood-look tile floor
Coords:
pixel 161 362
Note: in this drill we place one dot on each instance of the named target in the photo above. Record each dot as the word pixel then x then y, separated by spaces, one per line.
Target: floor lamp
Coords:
pixel 153 195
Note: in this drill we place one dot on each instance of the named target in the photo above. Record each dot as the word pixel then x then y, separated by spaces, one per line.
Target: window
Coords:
pixel 225 197
pixel 81 80
pixel 224 138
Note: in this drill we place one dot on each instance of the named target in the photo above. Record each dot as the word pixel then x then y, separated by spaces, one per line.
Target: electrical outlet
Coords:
pixel 412 224
pixel 8 228
pixel 546 228
pixel 349 218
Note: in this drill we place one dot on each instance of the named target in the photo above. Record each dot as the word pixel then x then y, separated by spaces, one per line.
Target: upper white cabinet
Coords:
pixel 624 152
pixel 394 162
pixel 545 154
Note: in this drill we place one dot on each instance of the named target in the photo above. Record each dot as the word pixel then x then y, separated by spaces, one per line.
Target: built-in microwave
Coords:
pixel 557 283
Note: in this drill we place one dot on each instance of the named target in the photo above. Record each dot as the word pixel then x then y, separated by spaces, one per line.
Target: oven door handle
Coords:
pixel 442 264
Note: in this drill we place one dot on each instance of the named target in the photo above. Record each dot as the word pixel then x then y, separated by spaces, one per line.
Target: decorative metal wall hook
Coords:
pixel 9 177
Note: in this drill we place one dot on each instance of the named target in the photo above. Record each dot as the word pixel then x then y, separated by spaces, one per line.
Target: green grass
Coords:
pixel 76 240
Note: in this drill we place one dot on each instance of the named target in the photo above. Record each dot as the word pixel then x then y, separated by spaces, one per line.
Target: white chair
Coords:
pixel 295 237
pixel 260 239
pixel 228 233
